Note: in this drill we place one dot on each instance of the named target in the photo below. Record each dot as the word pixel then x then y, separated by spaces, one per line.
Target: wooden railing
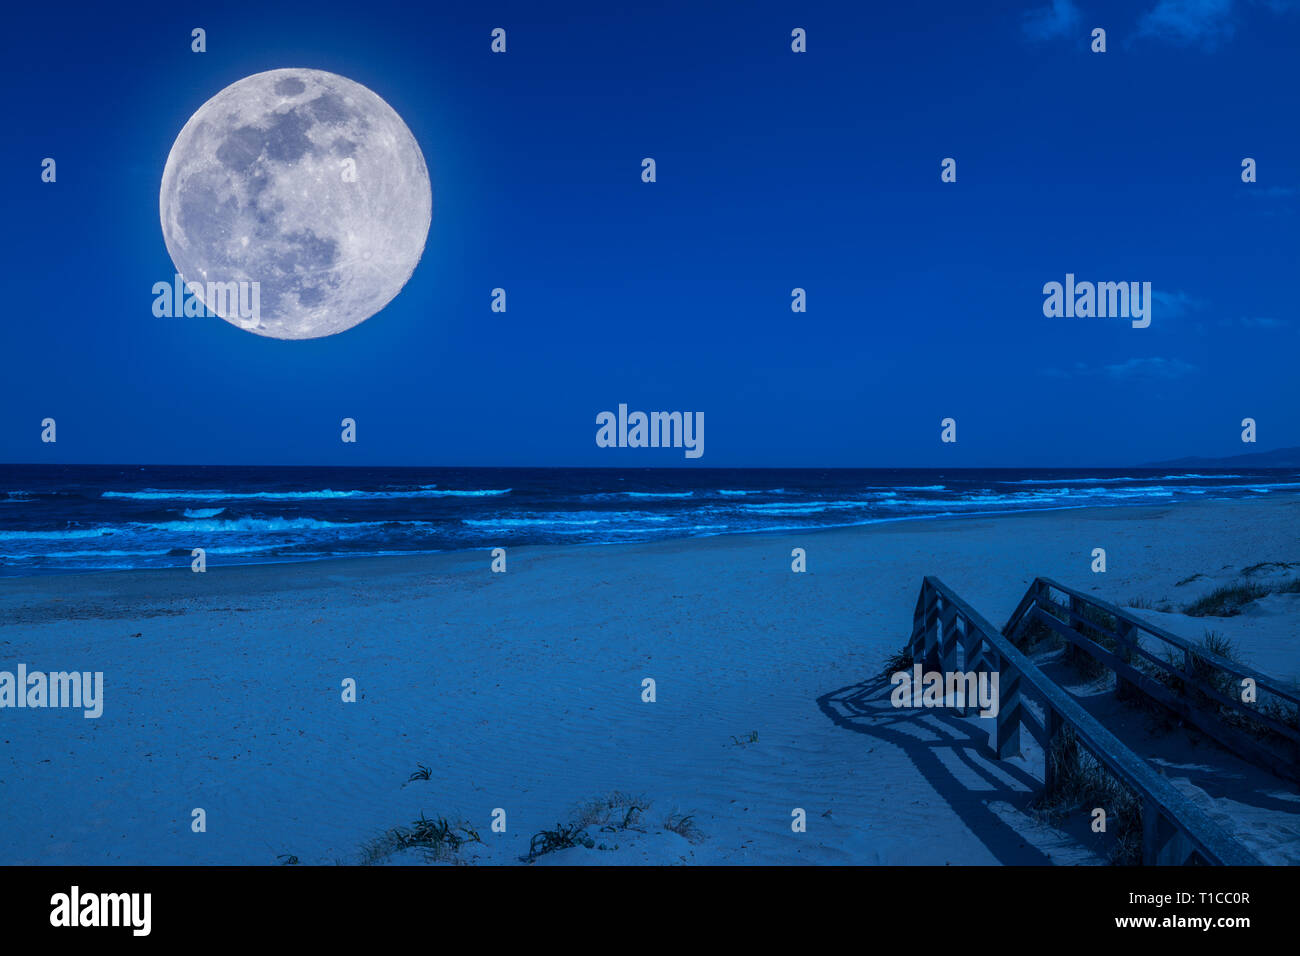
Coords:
pixel 1189 679
pixel 948 635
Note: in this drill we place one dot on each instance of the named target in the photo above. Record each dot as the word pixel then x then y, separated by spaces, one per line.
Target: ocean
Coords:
pixel 67 518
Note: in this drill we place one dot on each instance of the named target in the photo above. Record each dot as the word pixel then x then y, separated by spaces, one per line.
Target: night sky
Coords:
pixel 775 170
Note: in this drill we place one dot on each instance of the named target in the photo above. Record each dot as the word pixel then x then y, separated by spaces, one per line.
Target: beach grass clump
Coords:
pixel 1146 604
pixel 1227 684
pixel 1209 674
pixel 1082 783
pixel 1205 673
pixel 1282 712
pixel 683 824
pixel 615 811
pixel 1220 646
pixel 1198 667
pixel 563 836
pixel 440 840
pixel 1226 600
pixel 901 661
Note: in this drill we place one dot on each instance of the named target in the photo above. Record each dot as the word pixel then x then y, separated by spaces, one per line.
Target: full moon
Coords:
pixel 305 183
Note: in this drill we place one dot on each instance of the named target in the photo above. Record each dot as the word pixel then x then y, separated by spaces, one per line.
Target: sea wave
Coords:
pixel 801 507
pixel 162 494
pixel 262 525
pixel 69 534
pixel 654 494
pixel 607 520
pixel 1190 476
pixel 206 526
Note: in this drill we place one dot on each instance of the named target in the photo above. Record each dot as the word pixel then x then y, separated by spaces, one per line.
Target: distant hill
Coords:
pixel 1277 458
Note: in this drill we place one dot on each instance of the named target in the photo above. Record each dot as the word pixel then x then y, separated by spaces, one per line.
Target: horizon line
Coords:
pixel 681 468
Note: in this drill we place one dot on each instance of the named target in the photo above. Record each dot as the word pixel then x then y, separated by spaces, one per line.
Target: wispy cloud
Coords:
pixel 1154 368
pixel 1263 322
pixel 1272 192
pixel 1174 305
pixel 1060 18
pixel 1204 23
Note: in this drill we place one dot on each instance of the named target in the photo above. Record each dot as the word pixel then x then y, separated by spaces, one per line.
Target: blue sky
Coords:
pixel 775 170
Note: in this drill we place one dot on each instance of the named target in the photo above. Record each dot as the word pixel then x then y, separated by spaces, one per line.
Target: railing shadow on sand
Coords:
pixel 865 709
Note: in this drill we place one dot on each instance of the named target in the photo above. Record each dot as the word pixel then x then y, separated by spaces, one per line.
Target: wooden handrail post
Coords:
pixel 1128 638
pixel 930 655
pixel 1150 832
pixel 974 658
pixel 1074 656
pixel 948 638
pixel 1163 844
pixel 1007 731
pixel 1051 770
pixel 916 642
pixel 969 647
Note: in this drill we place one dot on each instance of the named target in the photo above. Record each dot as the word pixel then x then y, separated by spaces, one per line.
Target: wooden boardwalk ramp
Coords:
pixel 949 636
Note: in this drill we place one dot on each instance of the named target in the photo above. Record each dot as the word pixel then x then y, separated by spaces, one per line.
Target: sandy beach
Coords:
pixel 523 691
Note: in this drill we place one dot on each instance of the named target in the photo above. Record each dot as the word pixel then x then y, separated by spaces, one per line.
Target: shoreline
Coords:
pixel 776 533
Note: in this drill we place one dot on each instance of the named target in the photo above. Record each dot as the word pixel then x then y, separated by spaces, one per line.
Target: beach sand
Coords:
pixel 523 691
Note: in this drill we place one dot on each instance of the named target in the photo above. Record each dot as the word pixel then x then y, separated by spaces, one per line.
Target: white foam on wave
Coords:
pixel 161 494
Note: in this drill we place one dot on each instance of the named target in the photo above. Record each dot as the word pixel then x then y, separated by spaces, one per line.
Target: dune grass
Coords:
pixel 1226 600
pixel 900 661
pixel 615 812
pixel 683 824
pixel 440 840
pixel 1082 785
pixel 563 836
pixel 597 822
